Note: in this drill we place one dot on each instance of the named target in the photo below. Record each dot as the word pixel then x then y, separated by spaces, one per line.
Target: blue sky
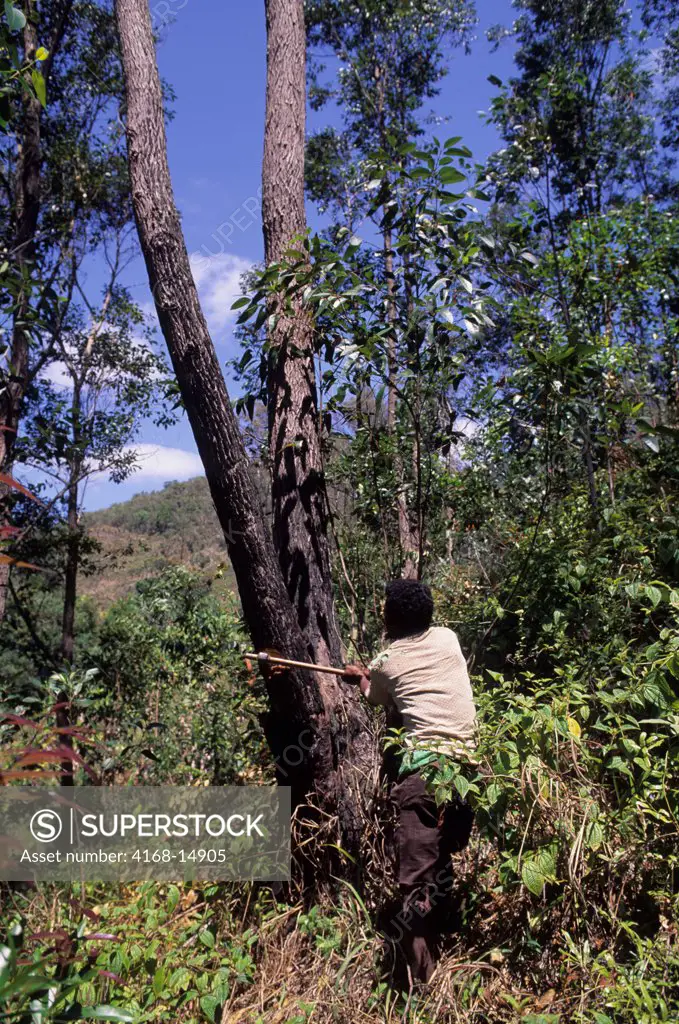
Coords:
pixel 213 55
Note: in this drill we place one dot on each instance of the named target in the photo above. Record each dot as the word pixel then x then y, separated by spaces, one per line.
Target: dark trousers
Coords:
pixel 426 836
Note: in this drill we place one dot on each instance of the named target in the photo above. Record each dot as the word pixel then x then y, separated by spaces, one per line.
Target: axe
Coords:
pixel 272 658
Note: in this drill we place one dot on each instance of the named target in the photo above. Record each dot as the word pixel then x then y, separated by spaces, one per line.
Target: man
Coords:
pixel 423 676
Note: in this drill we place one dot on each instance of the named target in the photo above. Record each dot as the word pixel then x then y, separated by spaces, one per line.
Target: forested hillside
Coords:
pixel 467 377
pixel 151 532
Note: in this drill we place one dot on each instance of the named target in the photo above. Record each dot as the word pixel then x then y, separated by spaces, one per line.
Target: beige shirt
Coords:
pixel 425 677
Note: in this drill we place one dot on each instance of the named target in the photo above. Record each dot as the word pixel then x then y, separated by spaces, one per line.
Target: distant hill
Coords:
pixel 141 537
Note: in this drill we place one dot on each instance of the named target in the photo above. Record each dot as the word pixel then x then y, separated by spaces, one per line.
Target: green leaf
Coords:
pixel 207 938
pixel 159 979
pixel 180 980
pixel 103 1012
pixel 616 763
pixel 461 785
pixel 26 984
pixel 39 86
pixel 15 18
pixel 208 1005
pixel 172 898
pixel 595 835
pixel 546 863
pixel 532 877
pixel 493 793
pixel 451 176
pixel 659 428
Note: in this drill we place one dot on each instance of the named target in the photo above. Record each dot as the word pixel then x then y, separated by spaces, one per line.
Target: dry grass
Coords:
pixel 299 979
pixel 329 963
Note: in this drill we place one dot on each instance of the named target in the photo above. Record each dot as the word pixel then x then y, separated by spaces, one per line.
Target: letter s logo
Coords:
pixel 46 826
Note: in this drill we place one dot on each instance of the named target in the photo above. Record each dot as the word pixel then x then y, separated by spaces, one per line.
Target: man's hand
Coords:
pixel 354 674
pixel 270 669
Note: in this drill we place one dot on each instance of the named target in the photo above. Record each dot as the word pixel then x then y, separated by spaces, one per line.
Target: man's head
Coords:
pixel 408 608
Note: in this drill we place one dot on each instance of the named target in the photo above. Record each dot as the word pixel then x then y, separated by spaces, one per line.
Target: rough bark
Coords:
pixel 299 501
pixel 312 729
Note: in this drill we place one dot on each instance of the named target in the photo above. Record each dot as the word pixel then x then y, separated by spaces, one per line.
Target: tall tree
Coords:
pixel 582 172
pixel 64 180
pixel 299 500
pixel 66 185
pixel 85 421
pixel 390 57
pixel 451 273
pixel 23 225
pixel 315 730
pixel 662 17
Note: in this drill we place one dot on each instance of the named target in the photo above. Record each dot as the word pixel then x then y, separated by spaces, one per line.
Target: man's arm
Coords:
pixel 358 676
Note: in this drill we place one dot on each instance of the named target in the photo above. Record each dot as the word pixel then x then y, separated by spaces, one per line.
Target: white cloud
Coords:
pixel 218 281
pixel 467 426
pixel 156 462
pixel 57 374
pixel 156 465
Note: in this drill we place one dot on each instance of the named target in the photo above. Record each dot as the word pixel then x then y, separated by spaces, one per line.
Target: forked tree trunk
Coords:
pixel 299 501
pixel 313 728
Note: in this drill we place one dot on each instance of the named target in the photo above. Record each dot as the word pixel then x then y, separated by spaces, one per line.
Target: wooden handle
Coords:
pixel 274 659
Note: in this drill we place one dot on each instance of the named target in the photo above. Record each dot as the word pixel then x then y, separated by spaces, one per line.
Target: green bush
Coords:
pixel 175 685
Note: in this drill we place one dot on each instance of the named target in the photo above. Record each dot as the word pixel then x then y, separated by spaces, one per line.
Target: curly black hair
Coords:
pixel 408 608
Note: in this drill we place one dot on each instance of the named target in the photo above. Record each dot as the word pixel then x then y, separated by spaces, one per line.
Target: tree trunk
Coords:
pixel 72 566
pixel 318 739
pixel 407 535
pixel 64 720
pixel 70 585
pixel 391 340
pixel 299 500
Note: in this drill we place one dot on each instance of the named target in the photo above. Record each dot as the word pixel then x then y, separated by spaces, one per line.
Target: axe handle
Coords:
pixel 276 660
